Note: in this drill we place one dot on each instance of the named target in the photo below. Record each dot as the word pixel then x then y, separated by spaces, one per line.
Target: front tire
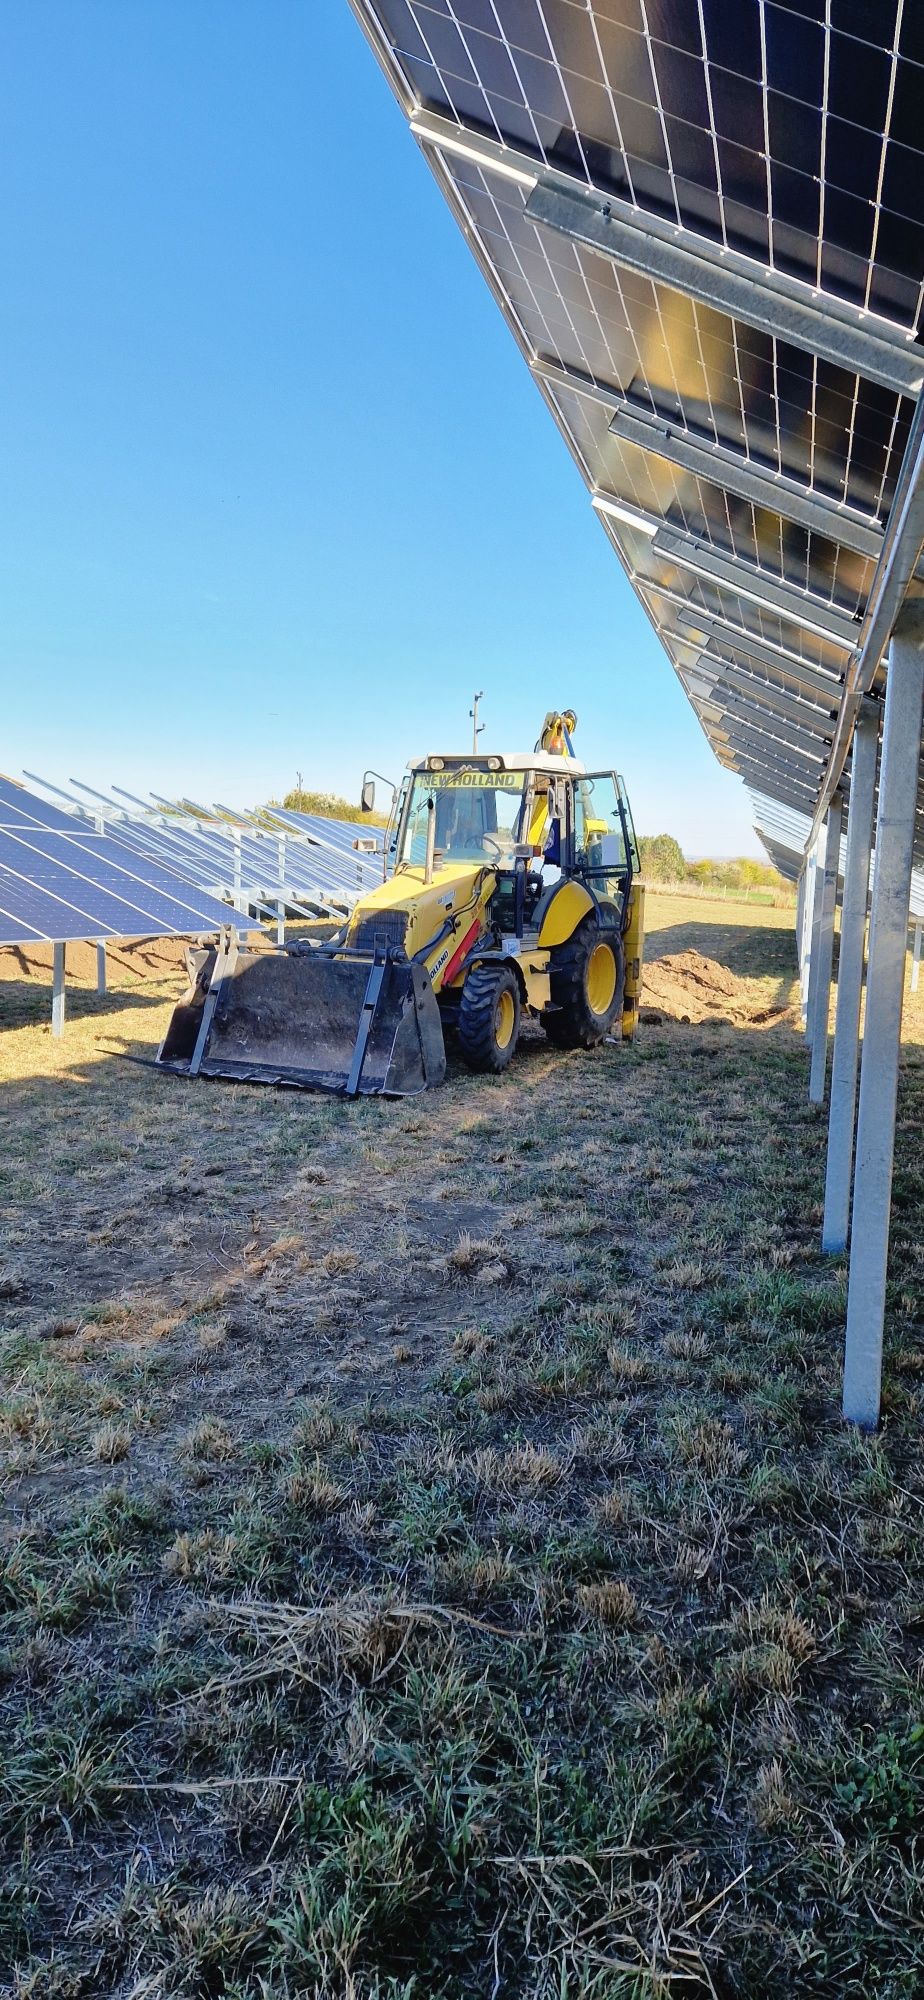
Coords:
pixel 489 1017
pixel 588 975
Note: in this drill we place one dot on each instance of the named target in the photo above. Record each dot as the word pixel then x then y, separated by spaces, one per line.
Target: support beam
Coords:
pixel 769 783
pixel 755 766
pixel 57 990
pixel 901 553
pixel 750 733
pixel 885 981
pixel 846 1062
pixel 794 706
pixel 818 1074
pixel 739 708
pixel 754 586
pixel 764 756
pixel 788 666
pixel 761 488
pixel 814 940
pixel 763 753
pixel 846 335
pixel 916 956
pixel 745 735
pixel 727 571
pixel 805 934
pixel 724 465
pixel 731 282
pixel 100 968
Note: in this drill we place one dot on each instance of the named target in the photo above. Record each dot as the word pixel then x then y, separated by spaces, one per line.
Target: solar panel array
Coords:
pixel 785 835
pixel 170 861
pixel 704 226
pixel 61 880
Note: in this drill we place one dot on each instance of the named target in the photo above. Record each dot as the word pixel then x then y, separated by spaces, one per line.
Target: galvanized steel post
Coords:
pixel 236 845
pixel 100 968
pixel 819 1068
pixel 885 981
pixel 805 933
pixel 850 981
pixel 814 920
pixel 57 989
pixel 281 899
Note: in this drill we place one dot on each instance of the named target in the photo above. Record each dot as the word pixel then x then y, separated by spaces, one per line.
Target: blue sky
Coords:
pixel 276 491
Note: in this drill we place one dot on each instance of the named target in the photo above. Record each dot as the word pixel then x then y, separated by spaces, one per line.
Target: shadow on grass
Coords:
pixel 26 1003
pixel 752 951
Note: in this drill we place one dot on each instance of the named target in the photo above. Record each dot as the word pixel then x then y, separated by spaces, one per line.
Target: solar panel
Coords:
pixel 785 835
pixel 136 880
pixel 704 227
pixel 59 888
pixel 22 808
pixel 265 860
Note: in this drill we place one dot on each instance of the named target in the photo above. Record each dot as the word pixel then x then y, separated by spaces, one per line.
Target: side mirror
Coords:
pixel 367 796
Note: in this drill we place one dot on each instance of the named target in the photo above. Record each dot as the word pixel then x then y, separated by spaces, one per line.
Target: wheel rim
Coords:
pixel 601 978
pixel 505 1017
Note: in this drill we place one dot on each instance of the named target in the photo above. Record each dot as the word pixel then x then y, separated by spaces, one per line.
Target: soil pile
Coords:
pixel 685 986
pixel 148 958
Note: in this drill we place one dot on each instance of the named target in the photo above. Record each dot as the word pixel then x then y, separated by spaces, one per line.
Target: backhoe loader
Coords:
pixel 511 890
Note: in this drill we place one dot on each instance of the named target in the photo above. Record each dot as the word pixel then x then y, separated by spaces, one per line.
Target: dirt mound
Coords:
pixel 148 958
pixel 685 986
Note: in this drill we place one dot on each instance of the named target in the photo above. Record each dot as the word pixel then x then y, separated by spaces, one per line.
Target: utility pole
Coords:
pixel 477 726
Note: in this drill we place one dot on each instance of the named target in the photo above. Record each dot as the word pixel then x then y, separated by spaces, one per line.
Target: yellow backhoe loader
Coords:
pixel 513 891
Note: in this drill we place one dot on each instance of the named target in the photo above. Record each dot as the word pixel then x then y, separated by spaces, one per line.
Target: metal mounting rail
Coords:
pixel 902 545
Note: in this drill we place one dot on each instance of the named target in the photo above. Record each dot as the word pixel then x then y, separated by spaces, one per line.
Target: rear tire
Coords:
pixel 489 1017
pixel 588 975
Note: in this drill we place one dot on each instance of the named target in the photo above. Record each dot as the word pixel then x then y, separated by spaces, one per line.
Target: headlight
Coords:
pixel 494 763
pixel 434 763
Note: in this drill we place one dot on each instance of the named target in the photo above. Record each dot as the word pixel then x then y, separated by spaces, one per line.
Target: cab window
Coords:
pixel 599 837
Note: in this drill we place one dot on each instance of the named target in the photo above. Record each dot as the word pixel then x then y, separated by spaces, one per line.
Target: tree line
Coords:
pixel 663 860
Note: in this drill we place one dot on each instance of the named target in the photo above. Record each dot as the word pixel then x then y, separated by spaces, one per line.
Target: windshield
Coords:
pixel 478 815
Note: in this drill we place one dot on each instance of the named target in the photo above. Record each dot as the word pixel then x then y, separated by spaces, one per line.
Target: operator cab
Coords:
pixel 531 819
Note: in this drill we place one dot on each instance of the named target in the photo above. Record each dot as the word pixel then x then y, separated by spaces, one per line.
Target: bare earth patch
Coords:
pixel 687 987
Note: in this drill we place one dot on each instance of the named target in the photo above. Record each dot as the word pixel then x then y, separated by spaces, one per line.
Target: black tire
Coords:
pixel 489 1017
pixel 577 1023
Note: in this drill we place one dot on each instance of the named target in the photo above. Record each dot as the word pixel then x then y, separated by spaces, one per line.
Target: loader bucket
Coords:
pixel 349 1025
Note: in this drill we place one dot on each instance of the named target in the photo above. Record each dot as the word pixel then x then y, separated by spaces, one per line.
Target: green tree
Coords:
pixel 327 805
pixel 662 858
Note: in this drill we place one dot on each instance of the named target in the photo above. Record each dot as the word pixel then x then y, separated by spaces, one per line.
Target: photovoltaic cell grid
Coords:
pixel 98 867
pixel 61 880
pixel 785 833
pixel 705 227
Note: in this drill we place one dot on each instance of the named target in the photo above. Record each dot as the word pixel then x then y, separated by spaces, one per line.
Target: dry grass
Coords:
pixel 433 1561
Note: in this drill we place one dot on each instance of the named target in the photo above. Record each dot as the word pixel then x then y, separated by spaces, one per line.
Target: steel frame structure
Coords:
pixel 723 464
pixel 776 591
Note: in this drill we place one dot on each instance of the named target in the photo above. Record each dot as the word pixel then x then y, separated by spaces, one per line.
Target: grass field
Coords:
pixel 433 1563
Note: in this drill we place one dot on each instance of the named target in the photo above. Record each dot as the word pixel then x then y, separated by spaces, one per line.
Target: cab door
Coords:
pixel 605 853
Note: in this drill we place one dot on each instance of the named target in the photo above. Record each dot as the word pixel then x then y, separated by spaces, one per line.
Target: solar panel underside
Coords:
pixel 751 458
